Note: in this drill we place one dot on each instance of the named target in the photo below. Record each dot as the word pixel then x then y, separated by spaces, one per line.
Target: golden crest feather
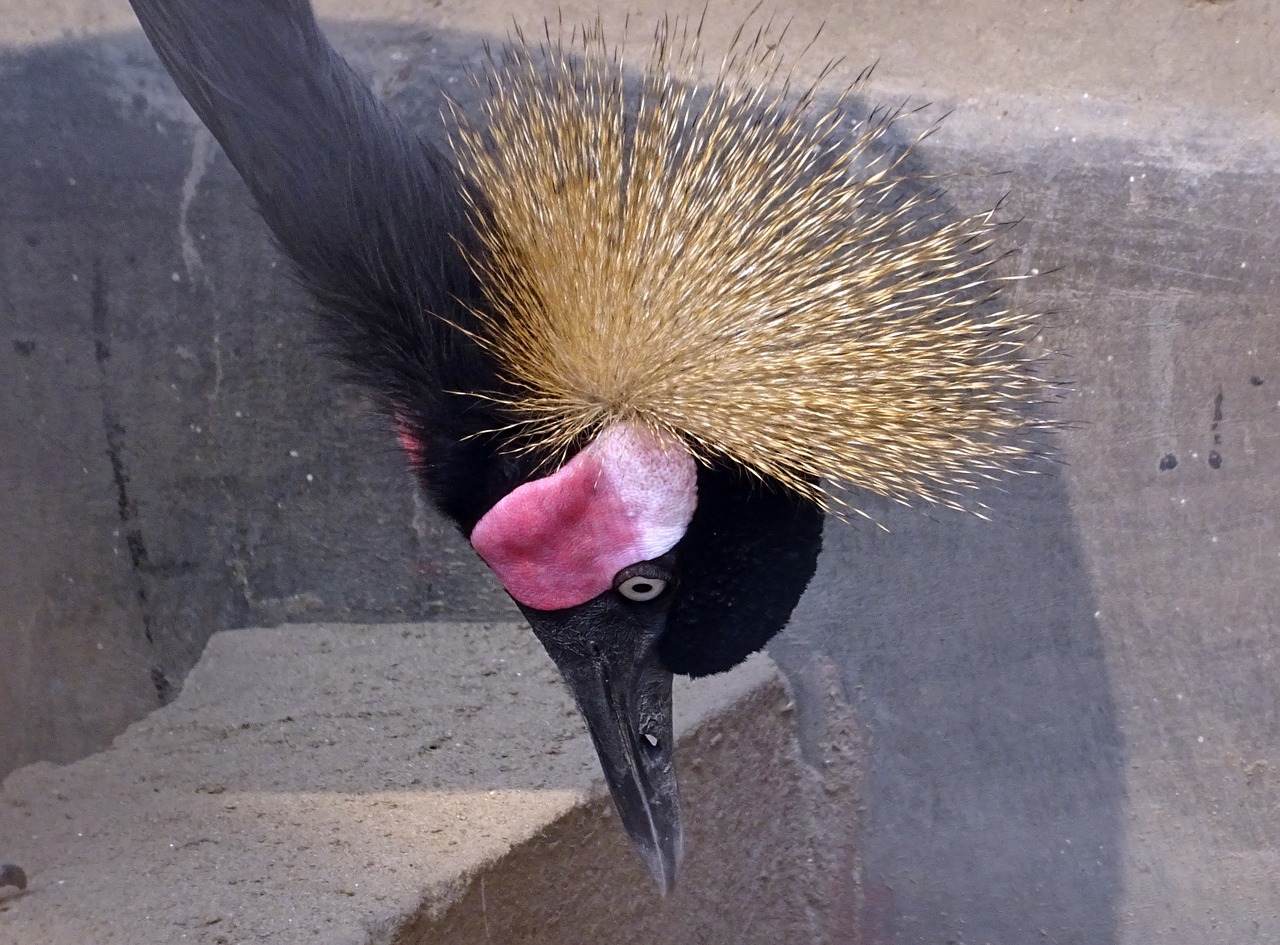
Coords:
pixel 738 265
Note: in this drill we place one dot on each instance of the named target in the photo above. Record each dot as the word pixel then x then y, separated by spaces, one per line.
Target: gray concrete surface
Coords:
pixel 179 458
pixel 311 784
pixel 1073 713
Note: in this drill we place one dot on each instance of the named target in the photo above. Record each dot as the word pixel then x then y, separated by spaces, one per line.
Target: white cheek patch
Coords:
pixel 558 542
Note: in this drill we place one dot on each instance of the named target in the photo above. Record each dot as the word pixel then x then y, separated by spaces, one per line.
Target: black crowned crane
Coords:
pixel 636 335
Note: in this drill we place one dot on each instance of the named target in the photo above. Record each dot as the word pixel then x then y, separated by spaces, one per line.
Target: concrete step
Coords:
pixel 352 784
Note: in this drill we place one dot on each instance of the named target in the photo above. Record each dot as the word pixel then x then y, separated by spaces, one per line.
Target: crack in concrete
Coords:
pixel 202 152
pixel 239 571
pixel 217 364
pixel 201 158
pixel 114 431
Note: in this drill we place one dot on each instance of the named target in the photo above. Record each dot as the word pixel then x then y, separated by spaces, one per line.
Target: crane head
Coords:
pixel 632 563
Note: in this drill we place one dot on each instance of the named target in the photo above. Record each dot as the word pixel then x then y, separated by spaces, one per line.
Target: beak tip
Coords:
pixel 665 885
pixel 663 873
pixel 662 859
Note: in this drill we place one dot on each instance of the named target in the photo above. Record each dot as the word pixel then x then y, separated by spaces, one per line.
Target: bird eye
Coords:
pixel 645 580
pixel 641 588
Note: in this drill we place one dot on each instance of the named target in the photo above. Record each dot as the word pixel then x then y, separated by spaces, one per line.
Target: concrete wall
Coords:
pixel 178 457
pixel 1072 712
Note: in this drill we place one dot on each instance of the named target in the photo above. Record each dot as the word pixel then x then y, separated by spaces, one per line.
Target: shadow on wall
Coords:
pixel 995 781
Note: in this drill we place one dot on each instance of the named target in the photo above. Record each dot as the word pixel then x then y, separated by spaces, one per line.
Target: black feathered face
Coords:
pixel 634 521
pixel 750 552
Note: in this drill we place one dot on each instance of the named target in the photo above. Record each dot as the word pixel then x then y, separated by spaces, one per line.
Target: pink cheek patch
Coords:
pixel 411 444
pixel 558 542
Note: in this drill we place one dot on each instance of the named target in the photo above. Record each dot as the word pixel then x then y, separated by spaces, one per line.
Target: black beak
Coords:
pixel 607 653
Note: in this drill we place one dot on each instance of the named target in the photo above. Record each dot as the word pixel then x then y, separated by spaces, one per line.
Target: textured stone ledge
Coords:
pixel 420 783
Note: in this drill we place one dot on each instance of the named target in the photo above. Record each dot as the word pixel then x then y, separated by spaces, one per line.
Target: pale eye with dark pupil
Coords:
pixel 641 589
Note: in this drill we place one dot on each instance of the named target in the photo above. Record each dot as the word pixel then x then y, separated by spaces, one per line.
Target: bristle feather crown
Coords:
pixel 738 266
